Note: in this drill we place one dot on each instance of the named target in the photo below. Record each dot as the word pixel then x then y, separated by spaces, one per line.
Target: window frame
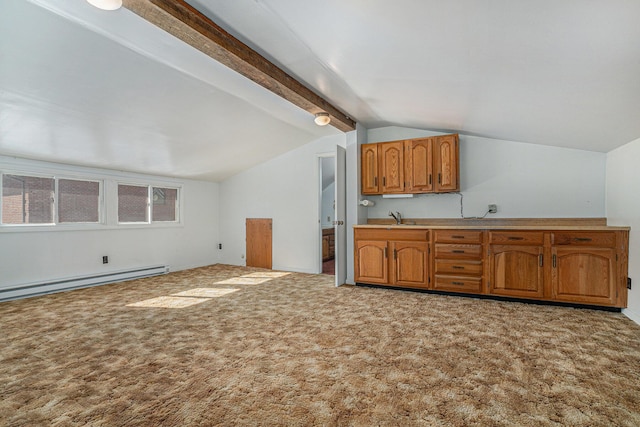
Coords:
pixel 150 186
pixel 56 224
pixel 108 199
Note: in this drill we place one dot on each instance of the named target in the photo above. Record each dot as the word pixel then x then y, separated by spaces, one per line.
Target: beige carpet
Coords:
pixel 228 346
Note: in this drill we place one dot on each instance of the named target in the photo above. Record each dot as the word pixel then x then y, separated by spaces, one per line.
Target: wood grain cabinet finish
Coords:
pixel 419 165
pixel 573 266
pixel 392 167
pixel 516 262
pixel 422 165
pixel 370 169
pixel 393 258
pixel 446 164
pixel 458 265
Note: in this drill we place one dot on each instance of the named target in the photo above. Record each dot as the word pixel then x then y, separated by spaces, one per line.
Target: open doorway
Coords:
pixel 327 193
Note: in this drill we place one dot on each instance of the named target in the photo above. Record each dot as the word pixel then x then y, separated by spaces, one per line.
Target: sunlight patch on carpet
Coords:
pixel 253 278
pixel 206 292
pixel 169 302
pixel 270 274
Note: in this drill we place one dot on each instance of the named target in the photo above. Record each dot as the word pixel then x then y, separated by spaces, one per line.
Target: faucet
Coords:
pixel 396 216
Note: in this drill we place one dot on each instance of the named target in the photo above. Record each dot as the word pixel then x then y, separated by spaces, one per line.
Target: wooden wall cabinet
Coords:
pixel 423 165
pixel 328 244
pixel 573 266
pixel 393 258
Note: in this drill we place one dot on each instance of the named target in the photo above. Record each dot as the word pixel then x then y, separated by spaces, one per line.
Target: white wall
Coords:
pixel 524 180
pixel 39 255
pixel 623 208
pixel 328 203
pixel 286 190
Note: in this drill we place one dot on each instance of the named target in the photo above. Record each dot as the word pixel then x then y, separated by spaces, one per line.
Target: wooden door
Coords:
pixel 259 242
pixel 419 165
pixel 446 153
pixel 370 169
pixel 371 261
pixel 409 264
pixel 517 271
pixel 392 166
pixel 584 275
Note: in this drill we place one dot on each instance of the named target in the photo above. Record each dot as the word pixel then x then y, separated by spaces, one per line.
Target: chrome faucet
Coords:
pixel 396 216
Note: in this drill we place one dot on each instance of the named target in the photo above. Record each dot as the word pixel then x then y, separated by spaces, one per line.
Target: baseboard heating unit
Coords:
pixel 53 286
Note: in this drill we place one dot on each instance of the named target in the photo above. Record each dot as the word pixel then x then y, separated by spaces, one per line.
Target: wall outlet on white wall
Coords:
pixel 493 208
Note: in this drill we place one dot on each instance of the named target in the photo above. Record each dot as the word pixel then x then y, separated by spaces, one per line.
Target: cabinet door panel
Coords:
pixel 371 262
pixel 392 166
pixel 410 264
pixel 584 275
pixel 446 163
pixel 370 169
pixel 419 165
pixel 517 271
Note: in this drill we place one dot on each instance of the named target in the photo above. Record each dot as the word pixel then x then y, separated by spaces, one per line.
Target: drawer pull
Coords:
pixel 457 237
pixel 515 238
pixel 458 283
pixel 457 251
pixel 582 239
pixel 457 267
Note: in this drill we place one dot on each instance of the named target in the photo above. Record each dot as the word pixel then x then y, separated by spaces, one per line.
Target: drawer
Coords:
pixel 445 250
pixel 517 237
pixel 458 236
pixel 391 234
pixel 580 238
pixel 458 284
pixel 450 266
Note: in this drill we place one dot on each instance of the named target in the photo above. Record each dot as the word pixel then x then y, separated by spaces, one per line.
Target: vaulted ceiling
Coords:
pixel 109 89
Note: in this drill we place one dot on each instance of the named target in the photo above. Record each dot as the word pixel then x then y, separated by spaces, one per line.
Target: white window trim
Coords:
pixel 108 180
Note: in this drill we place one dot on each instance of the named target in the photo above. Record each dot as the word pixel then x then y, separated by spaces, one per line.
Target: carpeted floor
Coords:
pixel 225 345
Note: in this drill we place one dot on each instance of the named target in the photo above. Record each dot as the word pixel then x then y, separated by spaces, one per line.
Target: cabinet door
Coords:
pixel 516 271
pixel 446 163
pixel 392 166
pixel 409 264
pixel 369 168
pixel 325 248
pixel 584 275
pixel 371 261
pixel 419 165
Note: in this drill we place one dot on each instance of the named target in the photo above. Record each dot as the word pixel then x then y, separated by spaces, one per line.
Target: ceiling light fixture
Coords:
pixel 322 119
pixel 106 4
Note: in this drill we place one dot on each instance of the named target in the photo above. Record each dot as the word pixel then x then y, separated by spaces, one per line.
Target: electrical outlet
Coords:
pixel 219 245
pixel 105 259
pixel 628 282
pixel 493 208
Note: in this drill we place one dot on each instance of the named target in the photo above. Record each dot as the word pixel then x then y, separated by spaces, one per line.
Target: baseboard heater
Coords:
pixel 50 287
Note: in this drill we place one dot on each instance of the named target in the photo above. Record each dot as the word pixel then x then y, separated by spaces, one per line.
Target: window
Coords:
pixel 35 200
pixel 133 203
pixel 137 203
pixel 27 199
pixel 78 201
pixel 164 204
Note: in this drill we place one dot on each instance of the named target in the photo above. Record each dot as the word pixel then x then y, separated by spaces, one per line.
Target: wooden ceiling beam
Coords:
pixel 189 25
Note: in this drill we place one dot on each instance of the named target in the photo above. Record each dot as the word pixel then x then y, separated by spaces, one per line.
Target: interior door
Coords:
pixel 259 244
pixel 341 216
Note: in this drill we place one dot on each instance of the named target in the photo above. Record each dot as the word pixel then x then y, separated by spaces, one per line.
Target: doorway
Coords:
pixel 332 258
pixel 327 213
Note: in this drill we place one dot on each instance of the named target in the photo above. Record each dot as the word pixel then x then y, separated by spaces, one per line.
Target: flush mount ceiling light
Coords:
pixel 106 4
pixel 322 119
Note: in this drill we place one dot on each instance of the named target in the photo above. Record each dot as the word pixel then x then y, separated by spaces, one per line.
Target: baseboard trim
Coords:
pixel 631 314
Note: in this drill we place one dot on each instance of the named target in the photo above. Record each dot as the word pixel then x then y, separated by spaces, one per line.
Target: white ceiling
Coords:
pixel 83 86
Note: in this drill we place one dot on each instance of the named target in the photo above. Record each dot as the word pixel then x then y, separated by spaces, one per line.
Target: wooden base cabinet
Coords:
pixel 381 258
pixel 582 267
pixel 584 275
